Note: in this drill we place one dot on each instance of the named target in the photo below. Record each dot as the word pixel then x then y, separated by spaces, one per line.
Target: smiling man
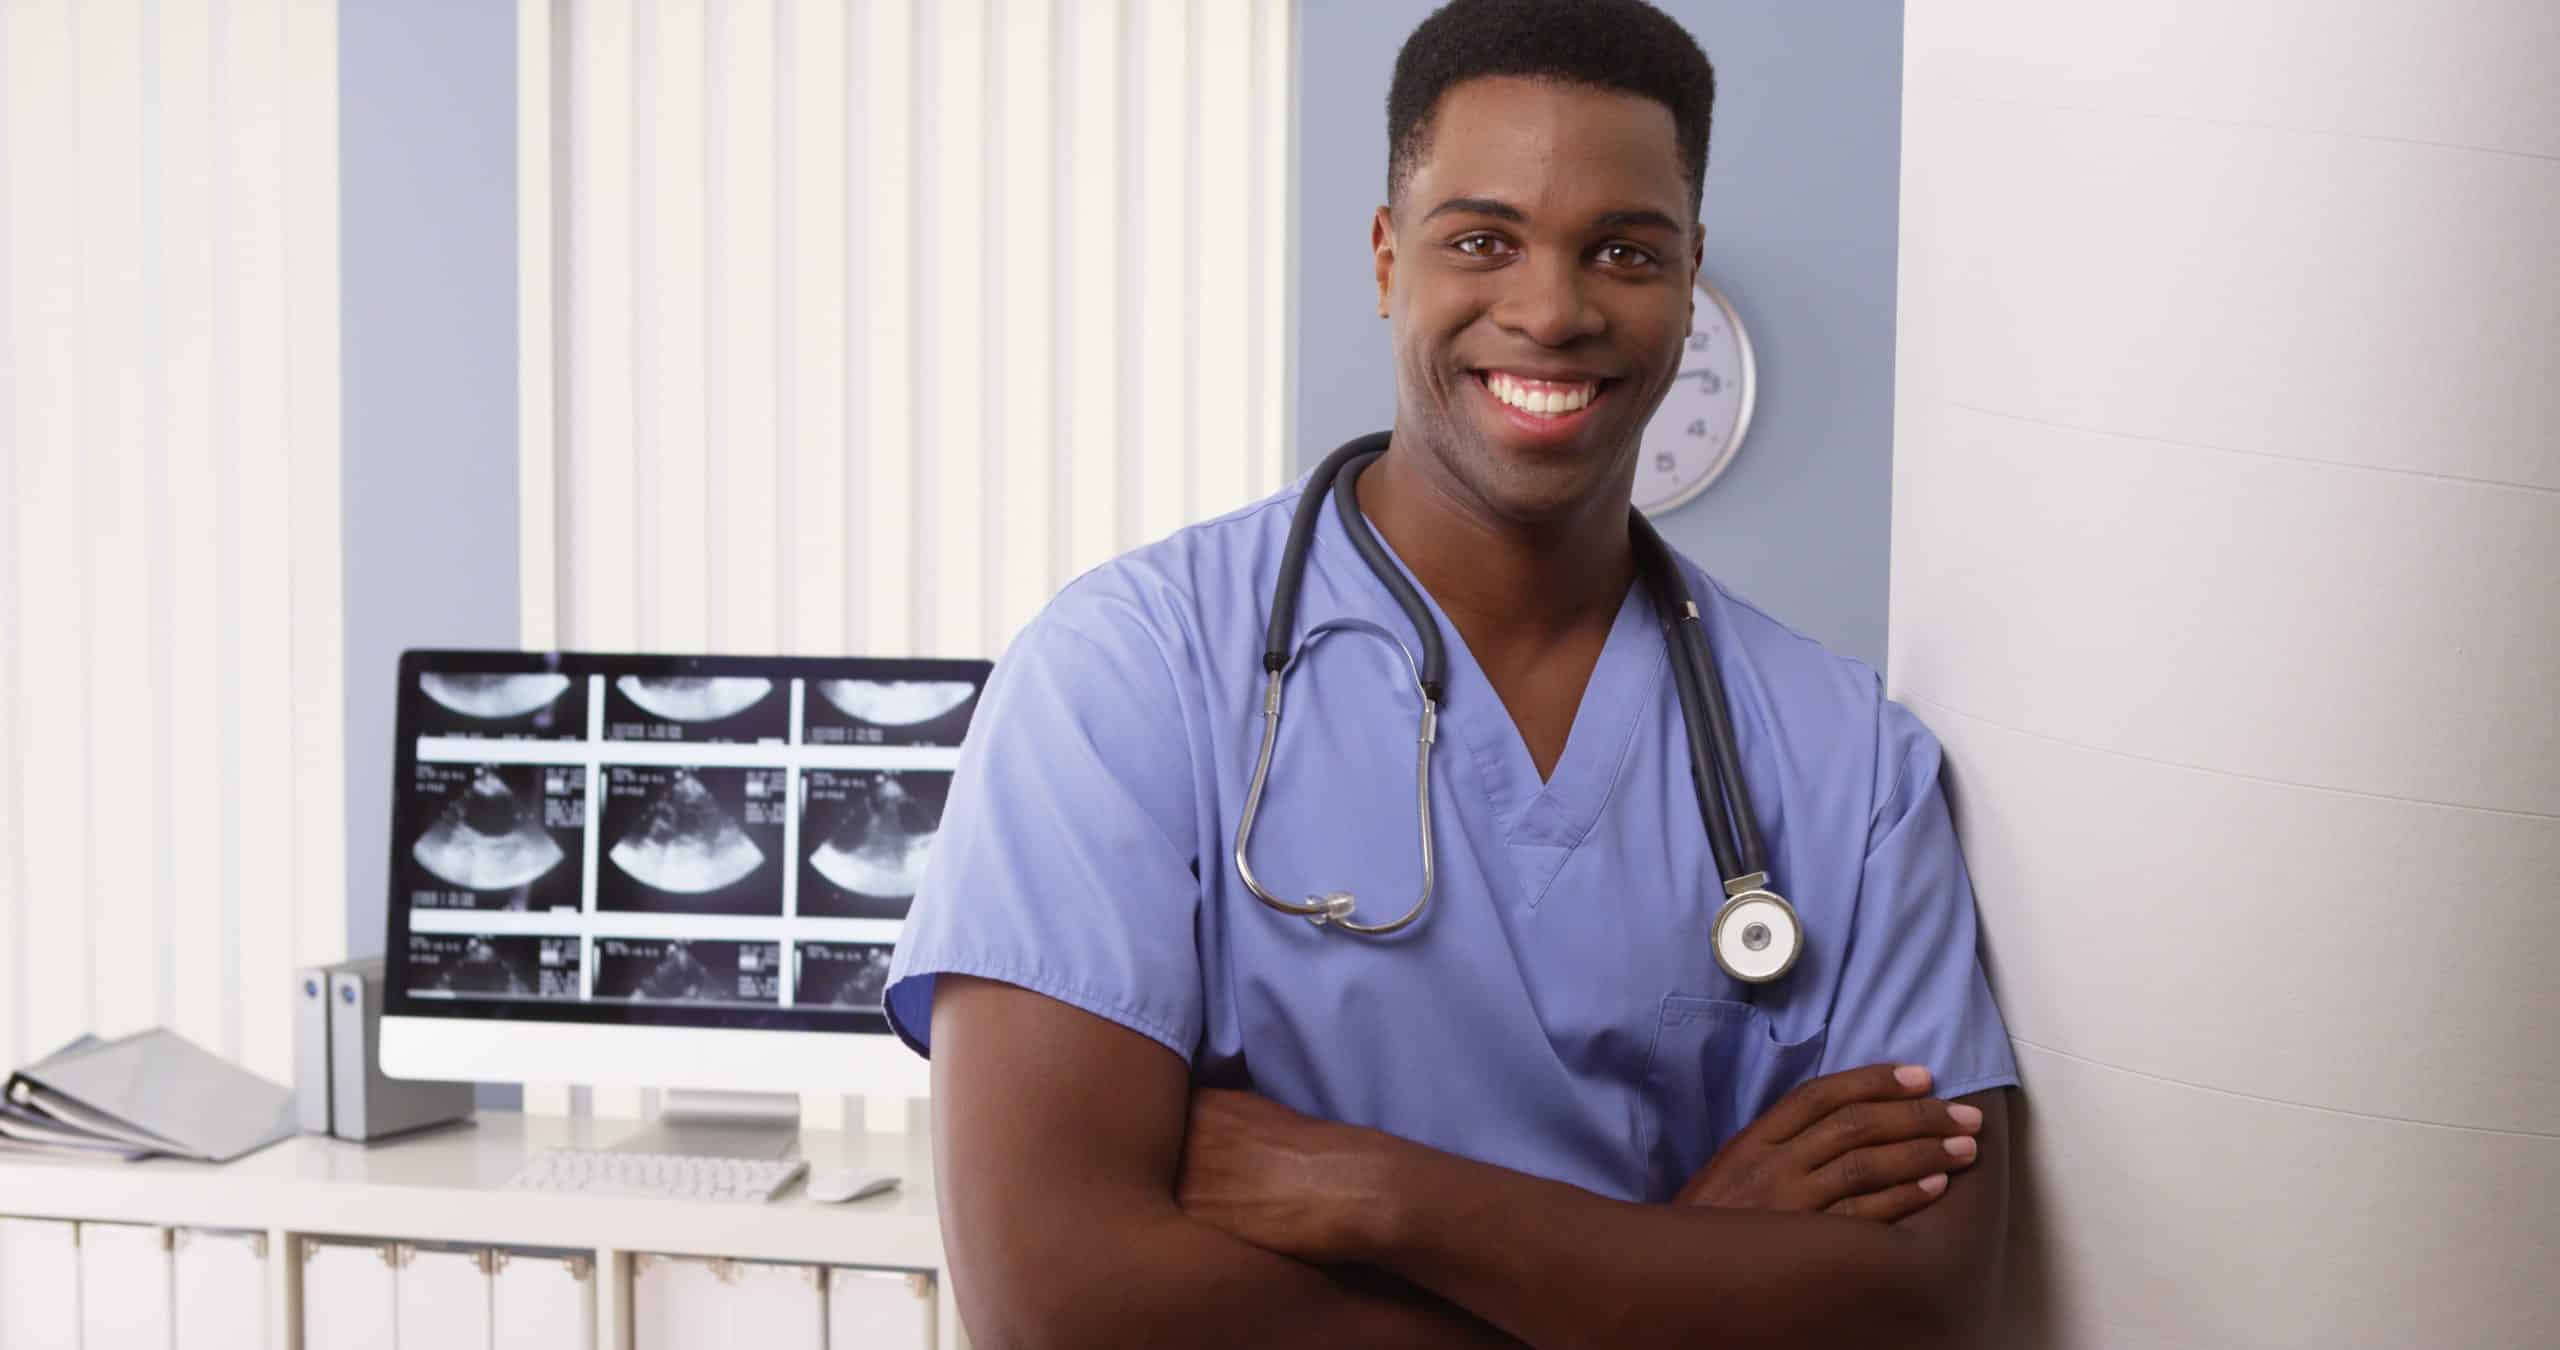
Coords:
pixel 1544 1112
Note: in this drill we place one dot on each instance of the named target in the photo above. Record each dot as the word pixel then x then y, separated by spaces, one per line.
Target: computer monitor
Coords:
pixel 661 871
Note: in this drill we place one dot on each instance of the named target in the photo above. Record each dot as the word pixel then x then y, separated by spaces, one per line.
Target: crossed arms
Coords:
pixel 1090 1198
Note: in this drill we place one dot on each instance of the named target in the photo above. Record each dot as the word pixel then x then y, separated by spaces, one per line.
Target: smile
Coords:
pixel 1541 398
pixel 1541 414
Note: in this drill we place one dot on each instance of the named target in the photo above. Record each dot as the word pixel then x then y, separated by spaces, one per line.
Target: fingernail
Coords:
pixel 1912 1076
pixel 1961 1146
pixel 1967 1116
pixel 1934 1182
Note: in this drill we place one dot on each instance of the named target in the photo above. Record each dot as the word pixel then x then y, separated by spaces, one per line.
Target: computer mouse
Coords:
pixel 849 1183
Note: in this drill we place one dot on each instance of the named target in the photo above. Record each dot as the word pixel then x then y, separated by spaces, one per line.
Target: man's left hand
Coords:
pixel 1285 1182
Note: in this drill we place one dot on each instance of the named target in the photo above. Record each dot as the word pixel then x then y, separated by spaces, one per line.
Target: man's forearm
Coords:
pixel 1176 1281
pixel 1561 1268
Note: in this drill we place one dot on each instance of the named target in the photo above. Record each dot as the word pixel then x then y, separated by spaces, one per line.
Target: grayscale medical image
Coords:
pixel 839 975
pixel 698 709
pixel 864 838
pixel 493 965
pixel 689 970
pixel 525 705
pixel 887 712
pixel 702 840
pixel 495 836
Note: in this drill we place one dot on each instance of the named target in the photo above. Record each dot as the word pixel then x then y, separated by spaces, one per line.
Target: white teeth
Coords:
pixel 1546 402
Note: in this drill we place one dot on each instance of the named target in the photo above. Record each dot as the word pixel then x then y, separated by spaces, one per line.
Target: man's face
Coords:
pixel 1543 253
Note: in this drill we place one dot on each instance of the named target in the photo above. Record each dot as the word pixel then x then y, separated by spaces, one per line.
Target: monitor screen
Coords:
pixel 682 841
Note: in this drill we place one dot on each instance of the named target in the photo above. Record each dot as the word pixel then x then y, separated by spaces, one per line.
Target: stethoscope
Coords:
pixel 1756 937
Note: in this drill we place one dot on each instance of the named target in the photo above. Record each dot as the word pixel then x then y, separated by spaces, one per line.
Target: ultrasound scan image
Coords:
pixel 864 836
pixel 840 975
pixel 887 712
pixel 691 971
pixel 699 710
pixel 495 836
pixel 493 965
pixel 537 705
pixel 692 840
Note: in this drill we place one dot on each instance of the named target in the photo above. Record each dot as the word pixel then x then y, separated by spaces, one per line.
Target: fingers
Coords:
pixel 1882 1169
pixel 1867 1124
pixel 1817 1098
pixel 1899 1202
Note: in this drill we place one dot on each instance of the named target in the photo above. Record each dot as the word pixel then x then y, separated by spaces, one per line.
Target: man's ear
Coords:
pixel 1697 259
pixel 1382 254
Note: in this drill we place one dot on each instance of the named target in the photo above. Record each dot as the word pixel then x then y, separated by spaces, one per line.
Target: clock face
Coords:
pixel 1695 432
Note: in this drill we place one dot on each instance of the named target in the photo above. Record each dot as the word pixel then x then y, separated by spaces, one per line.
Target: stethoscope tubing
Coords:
pixel 1672 606
pixel 1715 769
pixel 1715 764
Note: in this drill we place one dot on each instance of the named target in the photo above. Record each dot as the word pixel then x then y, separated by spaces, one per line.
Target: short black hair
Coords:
pixel 1625 46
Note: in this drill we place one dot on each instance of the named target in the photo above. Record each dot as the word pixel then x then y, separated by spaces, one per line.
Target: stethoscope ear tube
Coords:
pixel 1302 533
pixel 1346 501
pixel 1672 601
pixel 1728 758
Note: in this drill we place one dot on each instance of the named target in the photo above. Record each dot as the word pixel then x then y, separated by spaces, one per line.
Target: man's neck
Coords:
pixel 1506 584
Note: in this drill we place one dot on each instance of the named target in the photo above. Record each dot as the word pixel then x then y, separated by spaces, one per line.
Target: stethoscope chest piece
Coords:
pixel 1757 937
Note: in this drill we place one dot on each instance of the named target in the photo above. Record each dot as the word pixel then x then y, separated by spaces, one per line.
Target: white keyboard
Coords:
pixel 595 1172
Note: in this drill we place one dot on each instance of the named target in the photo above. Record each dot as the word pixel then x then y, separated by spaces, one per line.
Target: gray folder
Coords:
pixel 311 1048
pixel 165 1086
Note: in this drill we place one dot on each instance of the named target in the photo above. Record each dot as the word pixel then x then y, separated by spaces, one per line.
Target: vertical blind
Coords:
pixel 171 786
pixel 861 326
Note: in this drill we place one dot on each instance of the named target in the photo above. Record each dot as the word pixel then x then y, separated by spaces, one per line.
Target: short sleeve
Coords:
pixel 1912 989
pixel 1063 863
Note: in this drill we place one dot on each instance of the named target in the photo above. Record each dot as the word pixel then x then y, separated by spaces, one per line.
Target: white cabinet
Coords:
pixel 128 1290
pixel 221 1291
pixel 347 1295
pixel 542 1301
pixel 879 1310
pixel 443 1297
pixel 419 1244
pixel 683 1303
pixel 39 1282
pixel 360 1294
pixel 680 1303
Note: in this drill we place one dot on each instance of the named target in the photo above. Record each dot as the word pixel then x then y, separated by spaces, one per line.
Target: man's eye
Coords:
pixel 1624 255
pixel 1478 245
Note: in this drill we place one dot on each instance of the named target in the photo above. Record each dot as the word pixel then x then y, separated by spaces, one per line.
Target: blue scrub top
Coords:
pixel 1558 1010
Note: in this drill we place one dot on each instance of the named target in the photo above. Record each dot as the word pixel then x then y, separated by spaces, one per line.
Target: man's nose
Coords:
pixel 1549 302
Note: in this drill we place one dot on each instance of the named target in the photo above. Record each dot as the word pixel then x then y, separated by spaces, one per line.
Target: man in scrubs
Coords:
pixel 1167 1115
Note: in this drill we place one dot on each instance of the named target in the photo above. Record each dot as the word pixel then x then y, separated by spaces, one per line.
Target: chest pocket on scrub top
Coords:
pixel 1717 1065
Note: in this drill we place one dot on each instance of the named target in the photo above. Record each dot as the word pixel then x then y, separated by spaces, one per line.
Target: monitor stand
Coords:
pixel 700 1124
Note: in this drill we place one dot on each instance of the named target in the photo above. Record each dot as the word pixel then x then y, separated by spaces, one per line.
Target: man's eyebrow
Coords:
pixel 1480 206
pixel 1634 218
pixel 1639 219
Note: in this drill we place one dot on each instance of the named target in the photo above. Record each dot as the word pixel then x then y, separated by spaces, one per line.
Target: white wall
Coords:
pixel 171 806
pixel 2226 556
pixel 865 327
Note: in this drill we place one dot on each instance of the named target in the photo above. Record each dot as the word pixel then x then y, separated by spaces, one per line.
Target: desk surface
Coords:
pixel 449 1185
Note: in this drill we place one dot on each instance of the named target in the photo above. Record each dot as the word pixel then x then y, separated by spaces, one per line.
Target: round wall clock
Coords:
pixel 1699 426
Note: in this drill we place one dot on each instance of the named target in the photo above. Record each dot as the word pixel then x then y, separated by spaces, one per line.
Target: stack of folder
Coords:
pixel 148 1094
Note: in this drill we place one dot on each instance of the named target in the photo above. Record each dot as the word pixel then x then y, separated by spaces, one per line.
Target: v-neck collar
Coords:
pixel 1541 821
